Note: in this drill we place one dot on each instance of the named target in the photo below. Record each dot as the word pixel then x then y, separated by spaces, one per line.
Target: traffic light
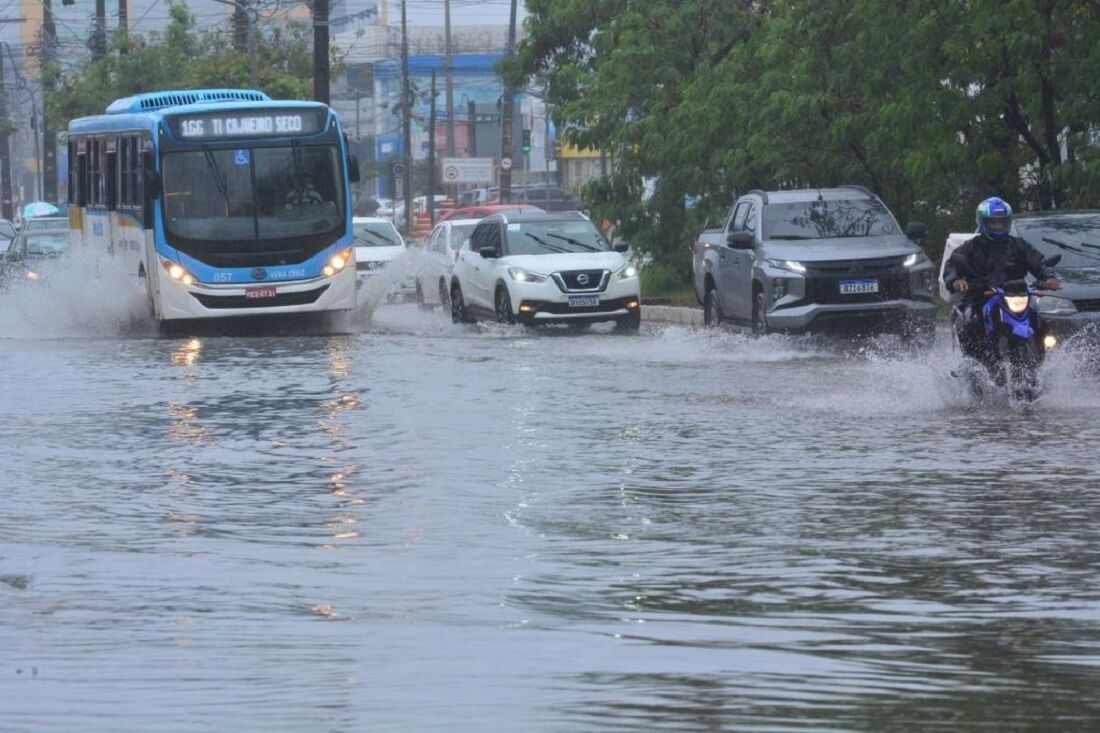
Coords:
pixel 526 144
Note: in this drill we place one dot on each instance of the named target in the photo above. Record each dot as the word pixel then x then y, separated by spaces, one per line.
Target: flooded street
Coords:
pixel 426 527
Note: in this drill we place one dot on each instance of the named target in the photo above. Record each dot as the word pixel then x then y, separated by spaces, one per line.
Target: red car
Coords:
pixel 480 212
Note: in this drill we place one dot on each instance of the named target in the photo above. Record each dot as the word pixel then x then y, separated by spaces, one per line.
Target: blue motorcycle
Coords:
pixel 1014 344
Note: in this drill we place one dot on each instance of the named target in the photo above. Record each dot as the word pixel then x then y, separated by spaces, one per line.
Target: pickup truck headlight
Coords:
pixel 1051 306
pixel 525 276
pixel 791 265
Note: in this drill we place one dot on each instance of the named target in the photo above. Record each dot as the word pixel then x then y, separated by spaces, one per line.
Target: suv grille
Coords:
pixel 582 281
pixel 824 278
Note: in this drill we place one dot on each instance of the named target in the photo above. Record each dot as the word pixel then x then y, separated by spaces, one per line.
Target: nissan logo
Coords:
pixel 259 273
pixel 582 279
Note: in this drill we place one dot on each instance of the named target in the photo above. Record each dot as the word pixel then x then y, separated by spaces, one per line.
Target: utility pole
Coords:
pixel 240 28
pixel 320 51
pixel 406 121
pixel 6 209
pixel 506 113
pixel 447 80
pixel 99 32
pixel 49 140
pixel 123 26
pixel 251 15
pixel 431 153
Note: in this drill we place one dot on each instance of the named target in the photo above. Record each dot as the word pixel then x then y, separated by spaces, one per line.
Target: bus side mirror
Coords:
pixel 152 182
pixel 353 169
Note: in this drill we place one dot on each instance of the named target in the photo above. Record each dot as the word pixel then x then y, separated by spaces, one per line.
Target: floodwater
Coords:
pixel 426 527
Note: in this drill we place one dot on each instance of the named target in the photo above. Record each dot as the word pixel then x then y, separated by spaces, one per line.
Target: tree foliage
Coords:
pixel 933 104
pixel 181 57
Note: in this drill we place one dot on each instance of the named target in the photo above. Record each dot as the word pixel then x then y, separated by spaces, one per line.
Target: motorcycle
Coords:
pixel 1014 344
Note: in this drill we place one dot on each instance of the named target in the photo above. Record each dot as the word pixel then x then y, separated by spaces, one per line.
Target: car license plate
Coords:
pixel 858 287
pixel 258 293
pixel 583 301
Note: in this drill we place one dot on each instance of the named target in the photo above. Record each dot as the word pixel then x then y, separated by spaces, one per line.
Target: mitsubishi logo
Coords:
pixel 259 273
pixel 582 279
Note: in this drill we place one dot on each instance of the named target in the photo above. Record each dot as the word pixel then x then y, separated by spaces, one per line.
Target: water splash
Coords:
pixel 87 293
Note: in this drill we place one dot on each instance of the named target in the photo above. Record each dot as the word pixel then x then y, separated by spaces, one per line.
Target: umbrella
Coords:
pixel 40 208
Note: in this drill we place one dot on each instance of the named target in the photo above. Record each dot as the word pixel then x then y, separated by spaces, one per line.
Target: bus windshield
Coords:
pixel 253 193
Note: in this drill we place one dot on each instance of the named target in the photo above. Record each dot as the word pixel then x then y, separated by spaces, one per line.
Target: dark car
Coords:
pixel 816 259
pixel 30 249
pixel 1075 235
pixel 548 198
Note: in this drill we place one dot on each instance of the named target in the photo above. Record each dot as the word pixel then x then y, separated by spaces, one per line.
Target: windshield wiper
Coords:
pixel 544 243
pixel 1070 248
pixel 383 237
pixel 574 242
pixel 223 188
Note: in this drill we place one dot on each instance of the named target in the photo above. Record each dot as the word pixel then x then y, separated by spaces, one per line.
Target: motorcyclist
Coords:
pixel 990 259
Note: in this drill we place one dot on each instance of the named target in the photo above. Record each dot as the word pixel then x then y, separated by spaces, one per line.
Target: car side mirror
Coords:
pixel 489 253
pixel 1052 260
pixel 741 240
pixel 353 169
pixel 621 247
pixel 916 231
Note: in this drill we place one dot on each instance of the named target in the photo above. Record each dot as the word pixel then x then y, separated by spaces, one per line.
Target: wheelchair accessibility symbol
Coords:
pixel 242 157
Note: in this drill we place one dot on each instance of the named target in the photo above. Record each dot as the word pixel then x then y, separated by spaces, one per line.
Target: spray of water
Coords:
pixel 84 294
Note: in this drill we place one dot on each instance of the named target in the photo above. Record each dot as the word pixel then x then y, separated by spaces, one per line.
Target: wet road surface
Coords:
pixel 426 527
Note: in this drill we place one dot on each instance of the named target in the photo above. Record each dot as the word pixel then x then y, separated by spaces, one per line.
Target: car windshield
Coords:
pixel 376 234
pixel 555 237
pixel 253 193
pixel 47 244
pixel 825 219
pixel 1075 237
pixel 46 223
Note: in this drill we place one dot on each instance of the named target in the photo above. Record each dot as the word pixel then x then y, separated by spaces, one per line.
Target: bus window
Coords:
pixel 247 193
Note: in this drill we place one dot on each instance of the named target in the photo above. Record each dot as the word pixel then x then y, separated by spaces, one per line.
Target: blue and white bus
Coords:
pixel 220 202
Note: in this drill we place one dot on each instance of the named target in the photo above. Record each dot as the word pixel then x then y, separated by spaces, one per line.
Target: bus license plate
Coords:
pixel 858 287
pixel 584 301
pixel 259 293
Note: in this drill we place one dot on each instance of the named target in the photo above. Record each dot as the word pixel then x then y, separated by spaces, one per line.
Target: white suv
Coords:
pixel 536 268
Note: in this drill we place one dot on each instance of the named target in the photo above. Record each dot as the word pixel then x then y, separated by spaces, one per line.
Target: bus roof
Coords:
pixel 161 100
pixel 143 111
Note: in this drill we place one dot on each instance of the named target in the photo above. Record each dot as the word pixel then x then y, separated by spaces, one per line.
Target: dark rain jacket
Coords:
pixel 994 262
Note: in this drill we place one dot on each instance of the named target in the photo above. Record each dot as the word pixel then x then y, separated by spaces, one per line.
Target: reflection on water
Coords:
pixel 426 527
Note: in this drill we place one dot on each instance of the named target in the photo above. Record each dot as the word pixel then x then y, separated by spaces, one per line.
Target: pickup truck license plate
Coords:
pixel 258 293
pixel 583 301
pixel 858 287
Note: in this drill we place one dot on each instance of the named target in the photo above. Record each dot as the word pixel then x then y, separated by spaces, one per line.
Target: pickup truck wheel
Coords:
pixel 712 313
pixel 759 315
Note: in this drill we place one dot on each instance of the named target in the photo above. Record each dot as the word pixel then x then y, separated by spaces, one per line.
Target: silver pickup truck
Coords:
pixel 815 259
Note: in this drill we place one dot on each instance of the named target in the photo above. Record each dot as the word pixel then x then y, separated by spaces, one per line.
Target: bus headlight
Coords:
pixel 176 272
pixel 338 262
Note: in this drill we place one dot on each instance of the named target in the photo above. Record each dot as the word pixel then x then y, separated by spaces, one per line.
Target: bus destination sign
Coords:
pixel 246 124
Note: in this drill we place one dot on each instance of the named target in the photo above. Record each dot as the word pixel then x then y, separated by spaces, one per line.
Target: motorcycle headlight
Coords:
pixel 628 272
pixel 525 276
pixel 1017 303
pixel 791 265
pixel 1050 305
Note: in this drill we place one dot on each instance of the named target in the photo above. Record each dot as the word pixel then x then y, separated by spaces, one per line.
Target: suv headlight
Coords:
pixel 917 258
pixel 627 272
pixel 1050 305
pixel 790 265
pixel 525 276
